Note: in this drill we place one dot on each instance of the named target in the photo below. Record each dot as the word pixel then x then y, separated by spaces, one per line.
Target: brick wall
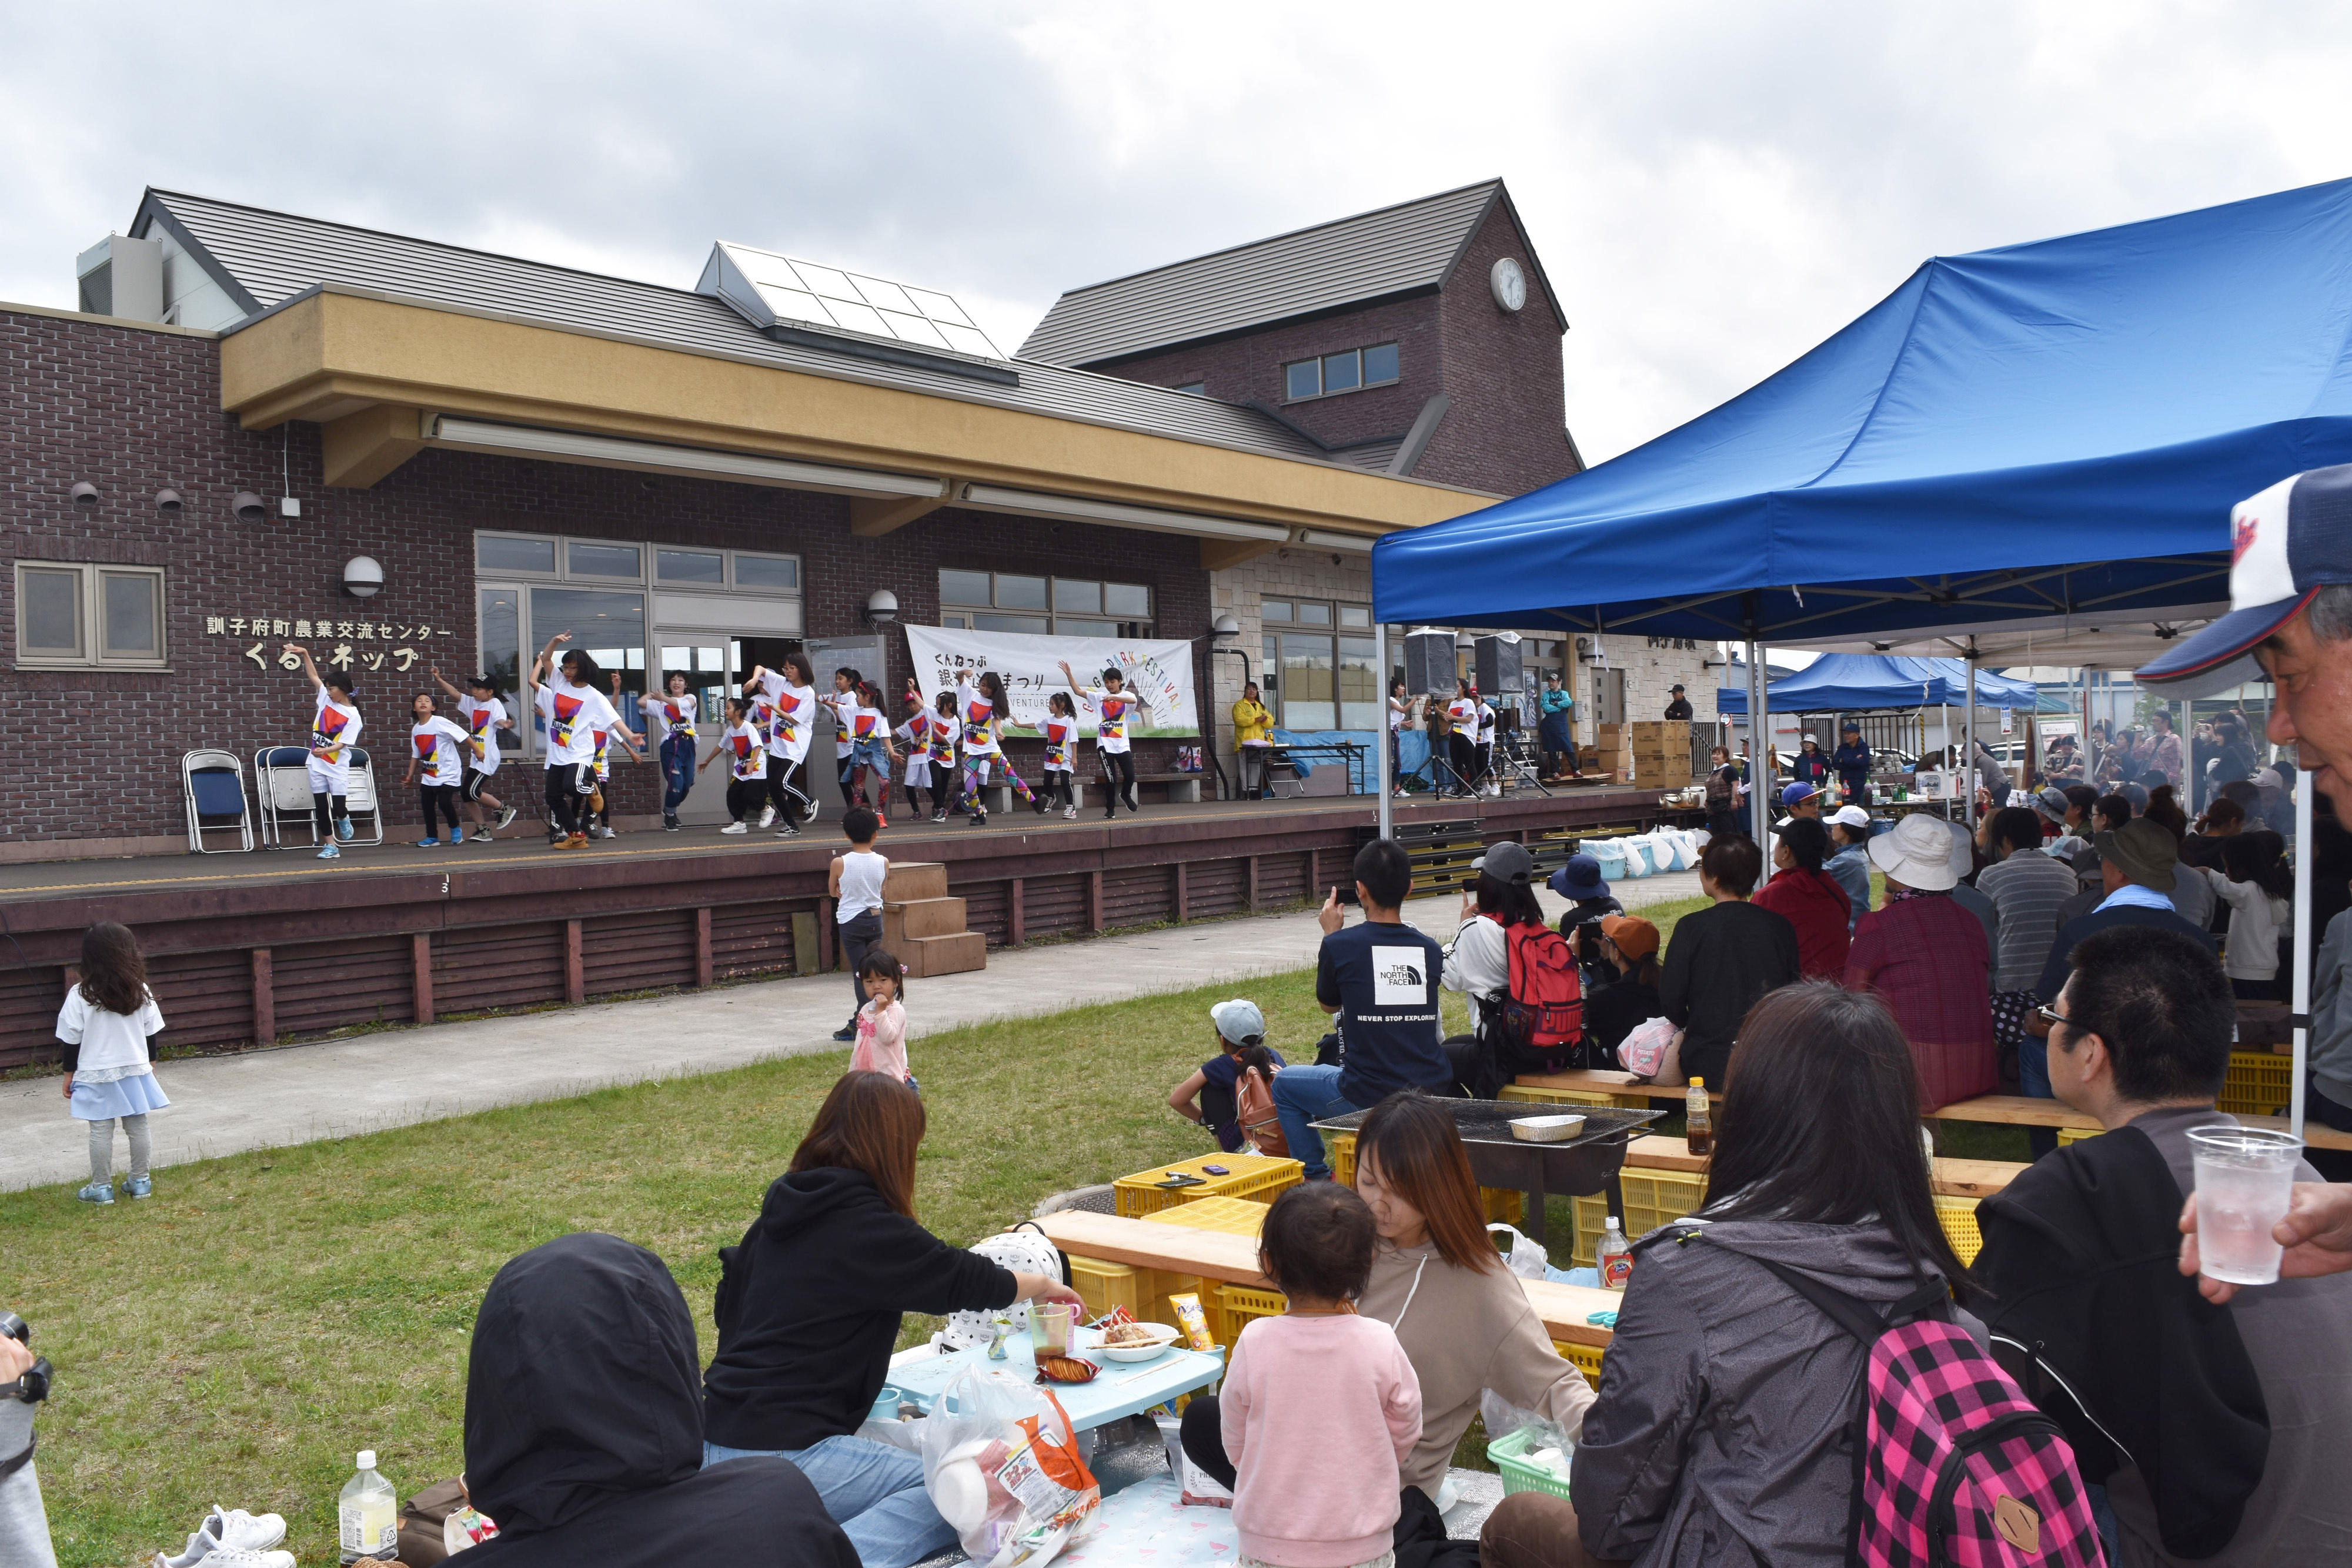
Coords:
pixel 134 411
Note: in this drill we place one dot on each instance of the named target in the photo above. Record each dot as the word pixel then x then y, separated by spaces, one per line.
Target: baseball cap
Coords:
pixel 2144 850
pixel 1850 727
pixel 1673 688
pixel 1635 938
pixel 1852 816
pixel 1507 861
pixel 1239 1021
pixel 1800 790
pixel 2286 543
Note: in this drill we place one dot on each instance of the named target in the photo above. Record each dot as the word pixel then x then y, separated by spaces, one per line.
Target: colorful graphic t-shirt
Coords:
pixel 1486 725
pixel 603 763
pixel 572 716
pixel 979 720
pixel 482 720
pixel 1465 714
pixel 1113 711
pixel 843 705
pixel 1061 742
pixel 746 759
pixel 784 714
pixel 677 713
pixel 440 751
pixel 867 724
pixel 333 732
pixel 943 738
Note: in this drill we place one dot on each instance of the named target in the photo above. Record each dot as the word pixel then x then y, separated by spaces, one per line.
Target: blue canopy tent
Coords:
pixel 1866 683
pixel 1971 455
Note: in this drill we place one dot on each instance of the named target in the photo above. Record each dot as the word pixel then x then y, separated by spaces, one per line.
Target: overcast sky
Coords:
pixel 1713 189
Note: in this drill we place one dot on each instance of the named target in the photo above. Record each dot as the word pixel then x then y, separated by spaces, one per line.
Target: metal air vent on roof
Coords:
pixel 848 313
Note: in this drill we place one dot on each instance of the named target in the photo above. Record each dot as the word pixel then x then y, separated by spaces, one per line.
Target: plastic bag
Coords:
pixel 1651 1048
pixel 1000 1463
pixel 1526 1257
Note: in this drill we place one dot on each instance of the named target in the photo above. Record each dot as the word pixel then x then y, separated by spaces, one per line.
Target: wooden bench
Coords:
pixel 1619 1087
pixel 1232 1259
pixel 1951 1178
pixel 1183 788
pixel 2018 1111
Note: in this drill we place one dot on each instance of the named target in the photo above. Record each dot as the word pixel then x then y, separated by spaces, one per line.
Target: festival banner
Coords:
pixel 1160 674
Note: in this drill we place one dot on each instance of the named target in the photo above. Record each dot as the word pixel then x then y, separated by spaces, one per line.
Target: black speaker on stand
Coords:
pixel 1497 661
pixel 1429 664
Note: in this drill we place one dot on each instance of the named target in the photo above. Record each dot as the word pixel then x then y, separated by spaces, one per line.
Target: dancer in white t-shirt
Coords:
pixel 564 693
pixel 334 732
pixel 748 762
pixel 984 709
pixel 1062 739
pixel 947 796
pixel 438 747
pixel 482 715
pixel 916 733
pixel 675 710
pixel 783 705
pixel 1115 708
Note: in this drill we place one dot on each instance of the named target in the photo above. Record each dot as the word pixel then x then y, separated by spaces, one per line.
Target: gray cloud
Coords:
pixel 1713 188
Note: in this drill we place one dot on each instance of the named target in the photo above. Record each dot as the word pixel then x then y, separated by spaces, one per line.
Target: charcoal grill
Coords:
pixel 1577 1167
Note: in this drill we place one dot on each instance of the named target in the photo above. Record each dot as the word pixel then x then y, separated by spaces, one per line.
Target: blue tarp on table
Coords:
pixel 1869 683
pixel 2102 398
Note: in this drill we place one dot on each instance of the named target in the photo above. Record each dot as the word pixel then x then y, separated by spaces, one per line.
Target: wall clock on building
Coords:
pixel 1510 284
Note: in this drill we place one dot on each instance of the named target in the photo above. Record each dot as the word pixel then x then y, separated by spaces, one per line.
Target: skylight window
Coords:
pixel 791 291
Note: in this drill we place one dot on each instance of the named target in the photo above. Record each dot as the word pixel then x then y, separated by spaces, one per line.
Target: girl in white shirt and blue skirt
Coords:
pixel 105 1025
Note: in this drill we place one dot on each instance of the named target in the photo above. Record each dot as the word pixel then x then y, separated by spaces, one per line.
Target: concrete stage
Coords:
pixel 278 946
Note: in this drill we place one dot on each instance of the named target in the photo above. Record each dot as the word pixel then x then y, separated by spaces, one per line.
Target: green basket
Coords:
pixel 1517 1474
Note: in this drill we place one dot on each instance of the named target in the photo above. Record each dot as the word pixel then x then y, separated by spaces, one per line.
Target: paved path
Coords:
pixel 293 1094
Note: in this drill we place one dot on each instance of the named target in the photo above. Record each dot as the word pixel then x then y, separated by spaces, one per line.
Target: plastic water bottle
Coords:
pixel 369 1515
pixel 1698 1120
pixel 1613 1257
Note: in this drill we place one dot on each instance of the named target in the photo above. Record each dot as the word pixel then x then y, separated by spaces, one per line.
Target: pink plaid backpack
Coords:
pixel 1951 1464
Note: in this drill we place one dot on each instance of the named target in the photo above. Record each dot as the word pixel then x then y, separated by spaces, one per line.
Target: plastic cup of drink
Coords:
pixel 2245 1177
pixel 1049 1328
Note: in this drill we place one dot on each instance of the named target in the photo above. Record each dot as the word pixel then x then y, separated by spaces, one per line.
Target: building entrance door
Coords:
pixel 714 666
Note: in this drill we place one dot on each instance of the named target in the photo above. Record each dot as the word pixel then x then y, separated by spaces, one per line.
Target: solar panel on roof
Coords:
pixel 783 290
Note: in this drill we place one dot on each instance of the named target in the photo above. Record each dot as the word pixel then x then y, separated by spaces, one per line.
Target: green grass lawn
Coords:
pixel 238 1336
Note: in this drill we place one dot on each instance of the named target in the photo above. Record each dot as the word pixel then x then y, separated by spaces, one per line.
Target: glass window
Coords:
pixel 1077 597
pixel 1312 614
pixel 766 570
pixel 961 621
pixel 1126 599
pixel 1307 698
pixel 129 619
pixel 48 613
pixel 1357 615
pixel 609 627
pixel 1379 364
pixel 1033 624
pixel 501 634
pixel 1019 592
pixel 493 553
pixel 586 560
pixel 1359 684
pixel 1273 610
pixel 963 587
pixel 1270 676
pixel 690 566
pixel 1303 379
pixel 1340 373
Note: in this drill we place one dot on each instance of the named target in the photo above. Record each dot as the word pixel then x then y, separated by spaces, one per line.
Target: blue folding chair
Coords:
pixel 212 787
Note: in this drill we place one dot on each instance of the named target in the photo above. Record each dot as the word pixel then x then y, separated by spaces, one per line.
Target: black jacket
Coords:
pixel 1612 1012
pixel 808 1308
pixel 2091 1312
pixel 584 1428
pixel 1718 961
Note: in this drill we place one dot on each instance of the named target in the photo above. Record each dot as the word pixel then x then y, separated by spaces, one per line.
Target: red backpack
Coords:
pixel 1544 1011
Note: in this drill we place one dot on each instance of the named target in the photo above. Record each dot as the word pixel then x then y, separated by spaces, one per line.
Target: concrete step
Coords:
pixel 921 917
pixel 931 956
pixel 909 881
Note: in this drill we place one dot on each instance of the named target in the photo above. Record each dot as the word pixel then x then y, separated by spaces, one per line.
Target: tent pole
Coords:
pixel 1381 741
pixel 2303 954
pixel 1969 748
pixel 1757 819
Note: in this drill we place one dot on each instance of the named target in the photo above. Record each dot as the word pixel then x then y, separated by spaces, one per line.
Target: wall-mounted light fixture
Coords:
pixel 167 501
pixel 362 578
pixel 84 493
pixel 248 506
pixel 1225 629
pixel 881 607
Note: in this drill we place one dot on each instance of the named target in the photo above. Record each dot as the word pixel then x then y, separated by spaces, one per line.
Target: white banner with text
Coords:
pixel 1160 674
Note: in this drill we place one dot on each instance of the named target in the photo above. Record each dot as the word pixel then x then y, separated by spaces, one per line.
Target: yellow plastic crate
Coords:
pixel 1339 1153
pixel 2076 1135
pixel 1254 1176
pixel 1502 1205
pixel 1232 1216
pixel 1231 1307
pixel 1959 1217
pixel 1144 1293
pixel 1585 1358
pixel 2258 1083
pixel 1652 1198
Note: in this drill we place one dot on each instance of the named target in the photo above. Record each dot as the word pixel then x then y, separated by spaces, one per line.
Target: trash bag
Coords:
pixel 1000 1463
pixel 1526 1257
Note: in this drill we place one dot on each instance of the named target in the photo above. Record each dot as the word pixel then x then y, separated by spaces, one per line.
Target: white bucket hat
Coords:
pixel 1917 853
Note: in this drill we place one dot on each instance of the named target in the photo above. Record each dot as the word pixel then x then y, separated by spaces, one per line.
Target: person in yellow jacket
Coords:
pixel 1252 738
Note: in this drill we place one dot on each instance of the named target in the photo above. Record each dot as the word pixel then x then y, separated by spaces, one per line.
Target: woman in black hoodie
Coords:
pixel 583 1434
pixel 808 1310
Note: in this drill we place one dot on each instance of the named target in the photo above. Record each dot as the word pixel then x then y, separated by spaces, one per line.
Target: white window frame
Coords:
pixel 1058 622
pixel 92 610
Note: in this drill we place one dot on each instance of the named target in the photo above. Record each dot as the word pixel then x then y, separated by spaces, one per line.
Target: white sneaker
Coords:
pixel 608 832
pixel 229 1530
pixel 734 828
pixel 1069 813
pixel 239 1557
pixel 768 816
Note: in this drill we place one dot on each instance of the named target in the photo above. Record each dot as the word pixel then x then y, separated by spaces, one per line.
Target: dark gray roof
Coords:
pixel 1410 248
pixel 264 257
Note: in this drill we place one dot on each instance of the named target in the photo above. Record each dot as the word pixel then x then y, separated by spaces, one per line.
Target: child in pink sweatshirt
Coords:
pixel 882 1022
pixel 1319 1407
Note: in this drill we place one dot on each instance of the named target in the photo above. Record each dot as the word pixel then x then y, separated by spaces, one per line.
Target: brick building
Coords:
pixel 712 476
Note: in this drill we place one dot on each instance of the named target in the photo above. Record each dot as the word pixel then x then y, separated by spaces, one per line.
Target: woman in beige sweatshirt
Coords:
pixel 1437 1280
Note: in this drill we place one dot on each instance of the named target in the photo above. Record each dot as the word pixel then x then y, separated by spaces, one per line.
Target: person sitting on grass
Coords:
pixel 1629 946
pixel 584 1428
pixel 1319 1408
pixel 1210 1096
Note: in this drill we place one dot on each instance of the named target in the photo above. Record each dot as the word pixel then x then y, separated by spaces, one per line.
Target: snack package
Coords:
pixel 1193 1321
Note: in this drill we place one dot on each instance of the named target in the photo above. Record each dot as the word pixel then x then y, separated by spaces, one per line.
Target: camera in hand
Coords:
pixel 34 1386
pixel 1345 892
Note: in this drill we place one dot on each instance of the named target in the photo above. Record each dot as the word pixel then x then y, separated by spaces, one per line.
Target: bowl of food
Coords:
pixel 1547 1129
pixel 1135 1341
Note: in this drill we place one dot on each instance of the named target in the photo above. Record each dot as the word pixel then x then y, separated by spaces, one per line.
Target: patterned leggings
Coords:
pixel 975 780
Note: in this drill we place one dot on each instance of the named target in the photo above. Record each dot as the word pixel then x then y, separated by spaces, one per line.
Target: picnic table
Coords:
pixel 1120 1390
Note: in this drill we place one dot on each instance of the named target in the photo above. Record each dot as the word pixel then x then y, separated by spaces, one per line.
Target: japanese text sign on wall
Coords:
pixel 346 635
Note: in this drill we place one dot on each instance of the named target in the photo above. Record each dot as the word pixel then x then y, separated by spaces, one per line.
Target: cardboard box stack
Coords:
pixel 1607 754
pixel 1657 754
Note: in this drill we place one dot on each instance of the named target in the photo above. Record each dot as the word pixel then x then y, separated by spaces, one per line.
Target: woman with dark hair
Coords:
pixel 1629 945
pixel 1722 795
pixel 808 1309
pixel 1479 962
pixel 1720 1434
pixel 2255 881
pixel 1462 743
pixel 1722 958
pixel 1806 895
pixel 1810 767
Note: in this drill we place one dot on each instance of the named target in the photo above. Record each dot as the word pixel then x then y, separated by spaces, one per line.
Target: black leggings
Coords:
pixel 743 796
pixel 441 798
pixel 329 809
pixel 783 790
pixel 1202 1434
pixel 1057 789
pixel 1119 779
pixel 565 794
pixel 1465 760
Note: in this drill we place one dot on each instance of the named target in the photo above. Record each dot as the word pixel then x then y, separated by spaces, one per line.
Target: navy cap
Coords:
pixel 1800 790
pixel 2285 545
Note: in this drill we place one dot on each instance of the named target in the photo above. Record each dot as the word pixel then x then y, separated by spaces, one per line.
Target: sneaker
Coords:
pixel 940 815
pixel 880 821
pixel 669 823
pixel 979 819
pixel 97 1192
pixel 562 841
pixel 847 1031
pixel 139 1186
pixel 1041 806
pixel 480 835
pixel 1069 813
pixel 228 1537
pixel 608 832
pixel 428 843
pixel 767 816
pixel 505 816
pixel 734 828
pixel 788 831
pixel 343 829
pixel 331 853
pixel 579 841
